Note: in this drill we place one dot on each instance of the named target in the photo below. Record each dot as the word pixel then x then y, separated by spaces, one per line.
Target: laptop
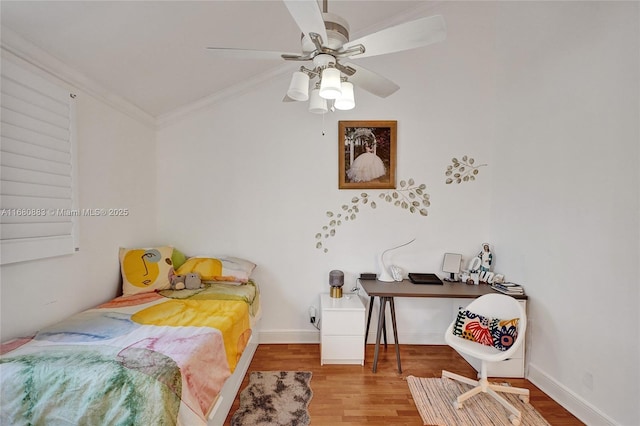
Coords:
pixel 424 278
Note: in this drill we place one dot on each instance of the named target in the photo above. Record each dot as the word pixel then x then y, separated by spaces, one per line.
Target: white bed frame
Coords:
pixel 230 388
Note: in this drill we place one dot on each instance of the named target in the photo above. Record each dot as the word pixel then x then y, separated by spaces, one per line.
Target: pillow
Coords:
pixel 231 269
pixel 178 258
pixel 146 269
pixel 499 333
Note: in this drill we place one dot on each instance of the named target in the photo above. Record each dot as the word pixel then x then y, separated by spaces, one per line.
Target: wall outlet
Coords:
pixel 312 314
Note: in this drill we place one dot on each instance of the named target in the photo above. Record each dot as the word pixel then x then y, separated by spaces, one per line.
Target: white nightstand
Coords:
pixel 342 330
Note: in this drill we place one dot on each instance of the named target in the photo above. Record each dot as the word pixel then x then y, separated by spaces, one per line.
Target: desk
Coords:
pixel 387 291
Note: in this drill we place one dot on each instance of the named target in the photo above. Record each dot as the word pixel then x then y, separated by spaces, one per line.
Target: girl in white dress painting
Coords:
pixel 367 166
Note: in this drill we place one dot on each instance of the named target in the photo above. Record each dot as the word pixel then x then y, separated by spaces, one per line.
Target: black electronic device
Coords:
pixel 417 278
pixel 368 276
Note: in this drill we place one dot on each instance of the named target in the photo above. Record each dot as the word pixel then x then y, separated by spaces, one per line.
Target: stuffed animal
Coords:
pixel 177 282
pixel 192 281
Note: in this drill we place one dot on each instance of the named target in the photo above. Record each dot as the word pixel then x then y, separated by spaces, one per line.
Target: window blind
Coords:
pixel 37 198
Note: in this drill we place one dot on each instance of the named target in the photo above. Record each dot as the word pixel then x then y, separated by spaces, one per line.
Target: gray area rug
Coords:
pixel 434 400
pixel 275 398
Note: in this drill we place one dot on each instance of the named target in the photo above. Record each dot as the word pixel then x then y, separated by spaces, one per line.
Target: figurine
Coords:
pixel 486 258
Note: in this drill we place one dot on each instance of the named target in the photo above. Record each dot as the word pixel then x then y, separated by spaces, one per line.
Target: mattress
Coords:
pixel 150 358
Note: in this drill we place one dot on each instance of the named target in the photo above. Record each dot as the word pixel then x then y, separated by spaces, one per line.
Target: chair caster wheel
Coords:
pixel 514 420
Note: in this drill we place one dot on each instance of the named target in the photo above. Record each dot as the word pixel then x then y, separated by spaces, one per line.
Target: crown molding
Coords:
pixel 231 91
pixel 24 50
pixel 207 102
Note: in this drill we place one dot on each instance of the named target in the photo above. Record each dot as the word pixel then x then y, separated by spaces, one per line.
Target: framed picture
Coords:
pixel 367 154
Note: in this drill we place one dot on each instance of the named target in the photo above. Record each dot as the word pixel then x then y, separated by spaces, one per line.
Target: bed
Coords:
pixel 153 357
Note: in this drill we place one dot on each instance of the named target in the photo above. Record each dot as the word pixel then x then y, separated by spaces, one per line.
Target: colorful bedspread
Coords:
pixel 147 359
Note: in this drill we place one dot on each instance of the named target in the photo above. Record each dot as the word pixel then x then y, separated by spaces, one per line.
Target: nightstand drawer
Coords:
pixel 343 323
pixel 342 350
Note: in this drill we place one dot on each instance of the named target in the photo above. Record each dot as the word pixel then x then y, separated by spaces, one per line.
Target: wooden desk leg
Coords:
pixel 395 332
pixel 366 333
pixel 384 331
pixel 383 302
pixel 384 326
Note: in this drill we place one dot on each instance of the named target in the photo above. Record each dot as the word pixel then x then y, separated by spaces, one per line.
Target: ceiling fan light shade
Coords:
pixel 347 100
pixel 299 86
pixel 330 87
pixel 317 105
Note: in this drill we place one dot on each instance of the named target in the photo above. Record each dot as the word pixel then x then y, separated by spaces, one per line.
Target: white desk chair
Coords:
pixel 491 306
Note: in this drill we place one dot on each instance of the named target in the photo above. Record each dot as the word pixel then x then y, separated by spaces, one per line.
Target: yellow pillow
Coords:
pixel 146 269
pixel 230 269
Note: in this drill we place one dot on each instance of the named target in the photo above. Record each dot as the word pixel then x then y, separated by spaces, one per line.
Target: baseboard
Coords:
pixel 575 404
pixel 310 336
pixel 411 338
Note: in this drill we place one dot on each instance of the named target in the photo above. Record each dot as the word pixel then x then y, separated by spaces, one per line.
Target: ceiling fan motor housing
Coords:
pixel 337 32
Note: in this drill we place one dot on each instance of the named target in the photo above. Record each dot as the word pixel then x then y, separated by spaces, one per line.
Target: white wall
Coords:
pixel 116 159
pixel 546 94
pixel 254 177
pixel 565 207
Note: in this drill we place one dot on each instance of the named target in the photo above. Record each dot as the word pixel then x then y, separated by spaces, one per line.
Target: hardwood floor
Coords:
pixel 354 395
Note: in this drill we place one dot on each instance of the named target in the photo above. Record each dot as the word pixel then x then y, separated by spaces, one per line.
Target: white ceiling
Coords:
pixel 153 53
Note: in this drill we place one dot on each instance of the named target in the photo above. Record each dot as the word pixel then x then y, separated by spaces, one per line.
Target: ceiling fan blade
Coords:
pixel 410 35
pixel 308 16
pixel 249 53
pixel 346 70
pixel 372 82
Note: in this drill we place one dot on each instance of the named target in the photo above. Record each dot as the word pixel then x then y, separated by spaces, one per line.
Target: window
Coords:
pixel 37 167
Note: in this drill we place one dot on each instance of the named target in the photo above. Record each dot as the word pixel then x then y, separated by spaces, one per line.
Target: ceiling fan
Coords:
pixel 325 42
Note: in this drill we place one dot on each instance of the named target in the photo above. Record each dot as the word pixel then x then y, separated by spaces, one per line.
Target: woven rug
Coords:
pixel 434 399
pixel 275 398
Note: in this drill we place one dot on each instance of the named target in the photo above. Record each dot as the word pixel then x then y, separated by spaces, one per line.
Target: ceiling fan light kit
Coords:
pixel 299 87
pixel 346 101
pixel 317 104
pixel 325 41
pixel 330 84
